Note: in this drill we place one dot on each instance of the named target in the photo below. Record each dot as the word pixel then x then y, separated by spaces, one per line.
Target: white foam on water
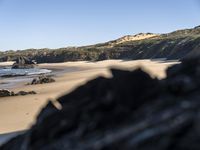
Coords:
pixel 21 72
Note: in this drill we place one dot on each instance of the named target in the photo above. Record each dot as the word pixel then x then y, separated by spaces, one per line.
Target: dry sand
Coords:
pixel 18 113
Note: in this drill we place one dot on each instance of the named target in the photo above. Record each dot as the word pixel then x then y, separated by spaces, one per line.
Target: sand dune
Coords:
pixel 18 113
pixel 128 38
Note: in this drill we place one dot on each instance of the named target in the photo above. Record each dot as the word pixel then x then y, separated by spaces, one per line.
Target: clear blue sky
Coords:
pixel 61 23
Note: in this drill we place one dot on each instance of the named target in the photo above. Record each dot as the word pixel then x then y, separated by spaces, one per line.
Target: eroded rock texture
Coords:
pixel 42 80
pixel 130 111
pixel 23 63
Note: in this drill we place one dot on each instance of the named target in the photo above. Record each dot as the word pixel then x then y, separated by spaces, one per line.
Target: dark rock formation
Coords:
pixel 130 111
pixel 175 45
pixel 42 80
pixel 6 93
pixel 23 63
pixel 23 93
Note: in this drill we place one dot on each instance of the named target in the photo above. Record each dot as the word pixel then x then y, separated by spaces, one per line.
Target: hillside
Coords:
pixel 174 45
pixel 129 38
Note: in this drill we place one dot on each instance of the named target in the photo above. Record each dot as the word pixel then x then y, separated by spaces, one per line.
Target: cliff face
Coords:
pixel 175 45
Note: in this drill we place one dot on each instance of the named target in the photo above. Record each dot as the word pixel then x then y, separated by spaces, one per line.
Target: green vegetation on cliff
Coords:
pixel 175 45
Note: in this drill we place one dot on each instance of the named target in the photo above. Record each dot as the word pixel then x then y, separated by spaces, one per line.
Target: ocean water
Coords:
pixel 22 72
pixel 10 78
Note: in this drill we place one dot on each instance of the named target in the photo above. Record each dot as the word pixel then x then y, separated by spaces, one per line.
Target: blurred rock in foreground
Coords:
pixel 130 111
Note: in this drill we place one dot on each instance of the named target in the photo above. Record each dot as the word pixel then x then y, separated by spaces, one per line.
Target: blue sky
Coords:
pixel 61 23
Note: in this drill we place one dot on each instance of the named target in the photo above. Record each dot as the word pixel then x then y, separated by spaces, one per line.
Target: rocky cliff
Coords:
pixel 175 45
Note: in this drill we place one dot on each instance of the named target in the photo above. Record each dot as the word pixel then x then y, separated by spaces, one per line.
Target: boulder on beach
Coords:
pixel 23 93
pixel 4 93
pixel 130 111
pixel 7 93
pixel 42 80
pixel 23 63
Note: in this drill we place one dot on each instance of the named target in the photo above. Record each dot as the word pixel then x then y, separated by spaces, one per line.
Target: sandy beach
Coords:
pixel 18 113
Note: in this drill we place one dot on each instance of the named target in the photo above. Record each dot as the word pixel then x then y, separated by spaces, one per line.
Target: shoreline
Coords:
pixel 14 81
pixel 62 69
pixel 19 112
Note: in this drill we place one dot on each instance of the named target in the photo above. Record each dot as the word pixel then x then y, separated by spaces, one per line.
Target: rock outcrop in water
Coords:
pixel 23 63
pixel 130 111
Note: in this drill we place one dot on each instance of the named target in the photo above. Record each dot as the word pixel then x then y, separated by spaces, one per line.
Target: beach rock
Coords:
pixel 4 93
pixel 130 111
pixel 23 63
pixel 23 93
pixel 42 80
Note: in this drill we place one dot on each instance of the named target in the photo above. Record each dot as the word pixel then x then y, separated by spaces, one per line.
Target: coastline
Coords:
pixel 12 82
pixel 19 113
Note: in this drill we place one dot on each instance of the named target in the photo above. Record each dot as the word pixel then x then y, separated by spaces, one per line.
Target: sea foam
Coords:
pixel 22 72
